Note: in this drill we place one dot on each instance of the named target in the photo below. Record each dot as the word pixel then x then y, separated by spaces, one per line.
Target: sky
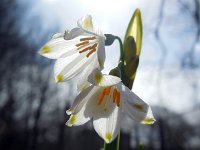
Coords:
pixel 169 86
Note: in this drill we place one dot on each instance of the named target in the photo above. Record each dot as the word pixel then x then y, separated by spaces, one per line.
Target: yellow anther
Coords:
pixel 138 106
pixel 60 77
pixel 45 49
pixel 108 136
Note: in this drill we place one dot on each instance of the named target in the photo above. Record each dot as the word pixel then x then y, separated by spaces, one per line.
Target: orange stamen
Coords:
pixel 82 43
pixel 92 51
pixel 104 92
pixel 86 39
pixel 107 90
pixel 114 95
pixel 85 49
pixel 118 99
pixel 100 99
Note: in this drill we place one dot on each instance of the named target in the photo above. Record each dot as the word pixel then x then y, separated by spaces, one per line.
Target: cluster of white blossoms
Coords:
pixel 102 98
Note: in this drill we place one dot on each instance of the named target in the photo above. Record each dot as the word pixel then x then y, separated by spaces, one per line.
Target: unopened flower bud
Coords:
pixel 130 57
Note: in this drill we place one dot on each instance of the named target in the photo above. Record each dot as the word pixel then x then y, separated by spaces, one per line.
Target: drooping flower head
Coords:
pixel 81 49
pixel 104 102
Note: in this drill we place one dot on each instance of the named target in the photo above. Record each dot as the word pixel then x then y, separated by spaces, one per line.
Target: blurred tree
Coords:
pixel 11 57
pixel 31 114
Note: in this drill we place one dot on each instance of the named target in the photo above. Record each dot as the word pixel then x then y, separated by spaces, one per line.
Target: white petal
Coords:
pixel 57 35
pixel 80 99
pixel 68 67
pixel 62 64
pixel 135 107
pixel 98 79
pixel 149 119
pixel 83 107
pixel 109 80
pixel 86 23
pixel 63 44
pixel 68 35
pixel 101 52
pixel 82 82
pixel 107 123
pixel 91 100
pixel 56 47
pixel 82 85
pixel 79 118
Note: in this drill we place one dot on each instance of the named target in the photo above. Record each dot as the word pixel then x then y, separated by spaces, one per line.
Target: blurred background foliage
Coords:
pixel 32 106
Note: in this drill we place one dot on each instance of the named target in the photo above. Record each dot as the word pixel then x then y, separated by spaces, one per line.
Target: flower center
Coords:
pixel 84 42
pixel 106 94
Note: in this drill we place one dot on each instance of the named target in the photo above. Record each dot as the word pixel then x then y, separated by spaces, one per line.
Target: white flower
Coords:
pixel 80 49
pixel 105 103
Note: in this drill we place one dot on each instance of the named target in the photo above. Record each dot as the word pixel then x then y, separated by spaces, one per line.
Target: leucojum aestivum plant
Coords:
pixel 102 98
